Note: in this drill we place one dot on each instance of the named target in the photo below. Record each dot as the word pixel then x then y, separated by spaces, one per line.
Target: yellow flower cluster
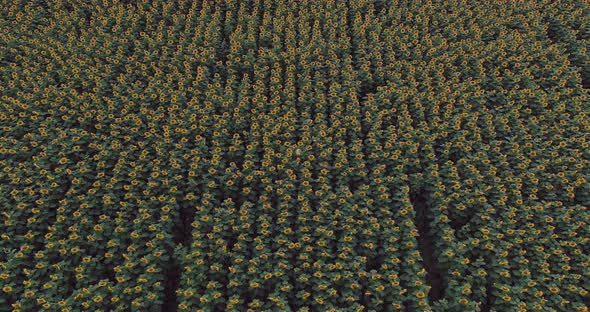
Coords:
pixel 294 155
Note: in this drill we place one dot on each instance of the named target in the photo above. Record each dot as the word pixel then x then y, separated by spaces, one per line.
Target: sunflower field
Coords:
pixel 294 155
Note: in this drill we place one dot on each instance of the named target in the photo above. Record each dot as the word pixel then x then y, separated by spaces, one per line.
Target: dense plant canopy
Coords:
pixel 309 155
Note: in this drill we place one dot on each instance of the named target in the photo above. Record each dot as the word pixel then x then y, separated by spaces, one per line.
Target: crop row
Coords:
pixel 294 155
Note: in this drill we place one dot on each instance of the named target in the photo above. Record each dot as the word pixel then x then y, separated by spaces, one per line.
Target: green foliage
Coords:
pixel 294 155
